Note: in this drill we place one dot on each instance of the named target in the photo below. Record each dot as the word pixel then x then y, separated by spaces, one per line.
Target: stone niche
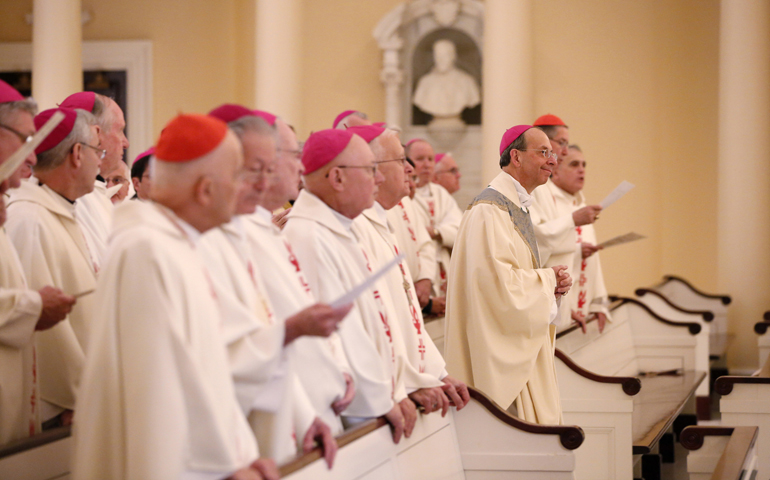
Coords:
pixel 406 36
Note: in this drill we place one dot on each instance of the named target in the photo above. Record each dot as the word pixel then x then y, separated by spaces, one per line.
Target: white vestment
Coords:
pixel 588 294
pixel 94 215
pixel 335 263
pixel 423 364
pixel 157 399
pixel 265 383
pixel 52 250
pixel 499 307
pixel 20 310
pixel 551 211
pixel 439 210
pixel 320 362
pixel 413 240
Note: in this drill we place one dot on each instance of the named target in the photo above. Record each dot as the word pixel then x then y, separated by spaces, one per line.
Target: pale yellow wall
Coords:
pixel 635 80
pixel 637 83
pixel 341 64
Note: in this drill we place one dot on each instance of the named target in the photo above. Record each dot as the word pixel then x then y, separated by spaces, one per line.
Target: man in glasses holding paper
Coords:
pixel 52 249
pixel 556 217
pixel 22 310
pixel 589 296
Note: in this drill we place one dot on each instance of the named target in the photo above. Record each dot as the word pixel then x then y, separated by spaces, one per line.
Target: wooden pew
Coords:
pixel 624 414
pixel 682 293
pixel 662 306
pixel 720 453
pixel 763 341
pixel 482 441
pixel 746 402
pixel 43 457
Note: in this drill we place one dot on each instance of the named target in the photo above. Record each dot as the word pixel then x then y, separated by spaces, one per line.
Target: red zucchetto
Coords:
pixel 549 120
pixel 189 137
pixel 60 132
pixel 322 147
pixel 9 94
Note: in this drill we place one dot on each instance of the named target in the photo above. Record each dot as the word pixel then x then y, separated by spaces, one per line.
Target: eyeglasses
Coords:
pixel 402 160
pixel 112 181
pixel 453 171
pixel 370 168
pixel 562 143
pixel 544 153
pixel 22 137
pixel 99 151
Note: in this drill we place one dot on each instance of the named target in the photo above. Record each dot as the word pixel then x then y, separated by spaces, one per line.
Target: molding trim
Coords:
pixel 133 56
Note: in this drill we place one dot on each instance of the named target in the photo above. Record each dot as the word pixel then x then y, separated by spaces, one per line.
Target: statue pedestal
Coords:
pixel 446 132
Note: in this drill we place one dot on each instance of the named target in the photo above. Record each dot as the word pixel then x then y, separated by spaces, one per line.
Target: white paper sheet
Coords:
pixel 17 158
pixel 621 239
pixel 615 195
pixel 363 286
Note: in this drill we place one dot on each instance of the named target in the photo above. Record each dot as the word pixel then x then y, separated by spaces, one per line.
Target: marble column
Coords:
pixel 508 96
pixel 57 60
pixel 744 171
pixel 278 69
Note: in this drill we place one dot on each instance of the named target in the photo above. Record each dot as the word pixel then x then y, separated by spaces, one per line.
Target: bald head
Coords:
pixel 201 192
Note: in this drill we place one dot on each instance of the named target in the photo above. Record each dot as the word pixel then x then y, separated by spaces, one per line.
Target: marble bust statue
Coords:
pixel 446 90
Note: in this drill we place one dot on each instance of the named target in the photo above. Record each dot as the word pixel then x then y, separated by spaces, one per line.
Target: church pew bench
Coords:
pixel 45 456
pixel 746 402
pixel 608 386
pixel 720 453
pixel 435 328
pixel 682 293
pixel 763 341
pixel 482 441
pixel 662 306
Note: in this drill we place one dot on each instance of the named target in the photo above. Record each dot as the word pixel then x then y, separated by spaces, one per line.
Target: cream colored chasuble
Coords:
pixel 499 338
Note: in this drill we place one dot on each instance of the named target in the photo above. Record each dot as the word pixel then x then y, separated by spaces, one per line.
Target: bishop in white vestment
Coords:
pixel 43 227
pixel 22 310
pixel 157 386
pixel 424 367
pixel 501 303
pixel 319 363
pixel 341 181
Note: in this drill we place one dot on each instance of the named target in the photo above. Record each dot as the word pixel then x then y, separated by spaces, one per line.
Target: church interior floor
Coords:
pixel 678 469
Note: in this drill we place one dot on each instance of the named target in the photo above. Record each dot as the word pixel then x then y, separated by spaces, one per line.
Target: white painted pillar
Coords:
pixel 278 69
pixel 57 59
pixel 508 96
pixel 744 171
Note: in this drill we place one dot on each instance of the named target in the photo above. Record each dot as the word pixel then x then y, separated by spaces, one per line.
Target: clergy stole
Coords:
pixel 499 338
pixel 319 362
pixel 422 363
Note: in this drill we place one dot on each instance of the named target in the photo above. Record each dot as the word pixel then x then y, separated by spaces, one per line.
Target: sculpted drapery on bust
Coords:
pixel 446 90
